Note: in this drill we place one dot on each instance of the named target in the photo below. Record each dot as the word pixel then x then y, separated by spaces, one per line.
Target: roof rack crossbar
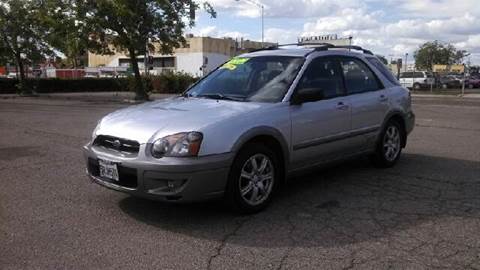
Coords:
pixel 353 47
pixel 317 47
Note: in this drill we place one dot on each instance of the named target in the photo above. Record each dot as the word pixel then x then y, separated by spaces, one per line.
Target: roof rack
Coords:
pixel 318 47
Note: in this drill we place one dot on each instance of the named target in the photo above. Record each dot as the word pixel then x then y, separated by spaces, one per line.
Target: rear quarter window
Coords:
pixel 384 70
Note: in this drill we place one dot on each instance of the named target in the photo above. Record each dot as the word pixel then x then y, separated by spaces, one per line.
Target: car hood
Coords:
pixel 157 119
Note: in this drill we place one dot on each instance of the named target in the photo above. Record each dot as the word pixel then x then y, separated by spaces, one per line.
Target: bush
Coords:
pixel 168 83
pixel 173 83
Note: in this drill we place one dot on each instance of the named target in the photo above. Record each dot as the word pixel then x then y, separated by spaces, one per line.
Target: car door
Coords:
pixel 318 127
pixel 406 79
pixel 367 97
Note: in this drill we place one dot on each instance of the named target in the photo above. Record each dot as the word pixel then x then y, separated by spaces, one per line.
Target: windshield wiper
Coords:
pixel 222 97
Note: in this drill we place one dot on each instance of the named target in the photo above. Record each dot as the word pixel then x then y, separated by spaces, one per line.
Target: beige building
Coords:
pixel 200 56
pixel 446 68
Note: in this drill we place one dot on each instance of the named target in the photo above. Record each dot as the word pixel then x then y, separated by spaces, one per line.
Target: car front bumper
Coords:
pixel 165 179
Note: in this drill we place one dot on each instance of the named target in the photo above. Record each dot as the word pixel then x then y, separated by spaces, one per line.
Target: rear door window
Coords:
pixel 358 76
pixel 406 75
pixel 418 75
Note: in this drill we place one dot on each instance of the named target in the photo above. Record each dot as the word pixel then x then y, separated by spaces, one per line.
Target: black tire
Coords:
pixel 444 86
pixel 233 194
pixel 470 86
pixel 380 158
pixel 416 86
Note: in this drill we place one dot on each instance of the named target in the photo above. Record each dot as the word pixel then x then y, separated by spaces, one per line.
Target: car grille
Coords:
pixel 117 144
pixel 127 177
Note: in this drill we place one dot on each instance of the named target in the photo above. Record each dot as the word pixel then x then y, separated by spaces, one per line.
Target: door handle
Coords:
pixel 383 98
pixel 342 106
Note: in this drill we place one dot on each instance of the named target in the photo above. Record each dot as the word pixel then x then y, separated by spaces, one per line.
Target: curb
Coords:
pixel 123 97
pixel 458 96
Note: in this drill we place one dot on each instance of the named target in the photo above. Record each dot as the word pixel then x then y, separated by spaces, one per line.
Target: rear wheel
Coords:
pixel 252 179
pixel 389 146
pixel 416 86
pixel 470 86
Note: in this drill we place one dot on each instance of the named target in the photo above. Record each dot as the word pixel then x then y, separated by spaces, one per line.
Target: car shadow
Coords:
pixel 345 204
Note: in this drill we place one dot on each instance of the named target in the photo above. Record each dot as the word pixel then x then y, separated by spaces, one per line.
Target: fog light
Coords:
pixel 175 185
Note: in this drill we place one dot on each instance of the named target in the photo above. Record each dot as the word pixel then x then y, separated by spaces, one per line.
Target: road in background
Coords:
pixel 424 213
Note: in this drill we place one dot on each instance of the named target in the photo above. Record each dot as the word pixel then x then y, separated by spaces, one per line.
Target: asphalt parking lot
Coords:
pixel 422 214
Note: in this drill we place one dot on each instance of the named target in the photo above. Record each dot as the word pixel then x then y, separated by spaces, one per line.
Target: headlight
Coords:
pixel 185 144
pixel 97 127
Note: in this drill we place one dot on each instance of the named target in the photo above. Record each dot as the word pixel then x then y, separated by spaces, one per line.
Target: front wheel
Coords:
pixel 252 179
pixel 389 146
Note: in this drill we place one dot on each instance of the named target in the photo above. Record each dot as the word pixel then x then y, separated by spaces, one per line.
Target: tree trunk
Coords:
pixel 140 93
pixel 22 86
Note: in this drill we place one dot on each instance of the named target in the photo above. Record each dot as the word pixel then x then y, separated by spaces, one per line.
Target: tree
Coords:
pixel 435 52
pixel 22 37
pixel 3 55
pixel 135 26
pixel 68 31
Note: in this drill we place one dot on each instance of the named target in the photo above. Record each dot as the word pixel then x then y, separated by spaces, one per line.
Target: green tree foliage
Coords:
pixel 134 26
pixel 435 52
pixel 68 31
pixel 22 35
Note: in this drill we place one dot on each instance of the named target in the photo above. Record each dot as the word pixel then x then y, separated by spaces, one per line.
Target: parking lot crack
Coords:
pixel 292 239
pixel 224 240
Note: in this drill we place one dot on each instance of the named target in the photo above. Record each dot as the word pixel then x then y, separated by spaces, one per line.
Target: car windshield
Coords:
pixel 258 79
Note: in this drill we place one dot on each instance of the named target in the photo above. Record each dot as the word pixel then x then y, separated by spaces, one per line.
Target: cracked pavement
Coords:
pixel 422 214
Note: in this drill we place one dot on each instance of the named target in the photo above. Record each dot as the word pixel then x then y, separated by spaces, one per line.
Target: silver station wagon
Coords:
pixel 242 130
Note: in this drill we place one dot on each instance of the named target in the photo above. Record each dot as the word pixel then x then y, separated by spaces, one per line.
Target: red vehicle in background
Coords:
pixel 473 82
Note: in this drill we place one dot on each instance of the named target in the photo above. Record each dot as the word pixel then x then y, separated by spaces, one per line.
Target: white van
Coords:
pixel 416 80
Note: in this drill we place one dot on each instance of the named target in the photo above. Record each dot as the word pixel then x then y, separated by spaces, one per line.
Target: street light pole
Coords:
pixel 262 8
pixel 263 25
pixel 406 59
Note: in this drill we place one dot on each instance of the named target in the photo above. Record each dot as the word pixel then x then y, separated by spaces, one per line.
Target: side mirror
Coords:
pixel 304 95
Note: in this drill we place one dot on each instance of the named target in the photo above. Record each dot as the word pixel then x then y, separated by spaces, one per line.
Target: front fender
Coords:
pixel 263 131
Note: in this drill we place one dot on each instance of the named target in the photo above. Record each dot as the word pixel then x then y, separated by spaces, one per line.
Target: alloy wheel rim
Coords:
pixel 391 143
pixel 256 179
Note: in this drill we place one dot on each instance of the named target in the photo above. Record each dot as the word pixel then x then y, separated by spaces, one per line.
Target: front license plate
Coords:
pixel 108 169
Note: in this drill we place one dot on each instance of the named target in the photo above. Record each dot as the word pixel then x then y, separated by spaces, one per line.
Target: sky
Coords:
pixel 387 27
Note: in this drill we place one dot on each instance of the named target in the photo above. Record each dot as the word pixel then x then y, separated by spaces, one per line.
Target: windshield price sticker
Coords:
pixel 235 62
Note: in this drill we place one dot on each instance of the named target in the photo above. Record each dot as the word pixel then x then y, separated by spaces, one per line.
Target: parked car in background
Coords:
pixel 242 130
pixel 12 75
pixel 473 82
pixel 416 80
pixel 449 81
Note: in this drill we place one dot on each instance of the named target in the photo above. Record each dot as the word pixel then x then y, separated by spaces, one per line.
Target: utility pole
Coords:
pixel 262 9
pixel 406 61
